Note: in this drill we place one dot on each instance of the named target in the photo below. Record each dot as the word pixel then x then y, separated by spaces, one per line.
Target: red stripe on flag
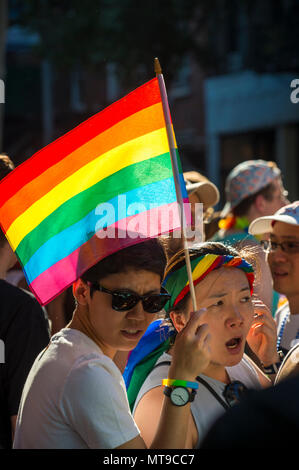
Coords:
pixel 144 96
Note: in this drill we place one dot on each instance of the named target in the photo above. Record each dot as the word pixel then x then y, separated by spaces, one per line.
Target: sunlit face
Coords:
pixel 278 200
pixel 226 295
pixel 122 330
pixel 284 266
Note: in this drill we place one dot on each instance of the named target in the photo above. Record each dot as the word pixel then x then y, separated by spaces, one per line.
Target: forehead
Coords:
pixel 281 229
pixel 222 280
pixel 132 279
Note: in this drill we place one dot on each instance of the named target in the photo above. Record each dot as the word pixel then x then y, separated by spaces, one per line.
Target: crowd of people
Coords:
pixel 134 357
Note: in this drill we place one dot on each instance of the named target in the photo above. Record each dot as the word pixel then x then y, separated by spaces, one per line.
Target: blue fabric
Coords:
pixel 155 335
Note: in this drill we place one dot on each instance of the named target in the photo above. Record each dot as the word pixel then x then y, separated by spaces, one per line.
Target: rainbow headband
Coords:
pixel 177 283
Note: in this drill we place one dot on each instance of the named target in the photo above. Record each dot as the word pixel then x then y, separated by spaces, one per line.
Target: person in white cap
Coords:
pixel 253 189
pixel 282 248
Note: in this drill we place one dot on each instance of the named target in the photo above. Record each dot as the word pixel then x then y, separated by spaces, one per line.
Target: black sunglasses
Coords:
pixel 123 300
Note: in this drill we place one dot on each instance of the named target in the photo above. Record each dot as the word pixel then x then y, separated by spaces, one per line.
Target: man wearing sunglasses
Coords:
pixel 282 249
pixel 75 396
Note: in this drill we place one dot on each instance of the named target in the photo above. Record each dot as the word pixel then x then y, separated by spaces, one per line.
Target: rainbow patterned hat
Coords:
pixel 177 284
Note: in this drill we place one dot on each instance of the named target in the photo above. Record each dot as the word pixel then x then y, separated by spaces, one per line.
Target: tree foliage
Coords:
pixel 130 33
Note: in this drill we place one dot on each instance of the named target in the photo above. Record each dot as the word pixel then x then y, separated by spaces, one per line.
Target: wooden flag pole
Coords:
pixel 174 163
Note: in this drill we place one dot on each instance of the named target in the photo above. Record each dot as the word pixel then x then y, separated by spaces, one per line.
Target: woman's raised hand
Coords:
pixel 191 352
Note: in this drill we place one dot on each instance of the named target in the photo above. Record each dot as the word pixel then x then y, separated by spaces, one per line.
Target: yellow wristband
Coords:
pixel 180 383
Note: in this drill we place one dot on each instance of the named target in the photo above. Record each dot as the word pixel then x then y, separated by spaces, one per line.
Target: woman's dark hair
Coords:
pixel 148 255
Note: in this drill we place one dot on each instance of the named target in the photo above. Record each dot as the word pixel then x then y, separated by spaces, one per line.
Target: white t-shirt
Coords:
pixel 74 398
pixel 205 408
pixel 290 329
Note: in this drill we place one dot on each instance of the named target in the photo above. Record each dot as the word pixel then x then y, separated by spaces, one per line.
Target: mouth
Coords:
pixel 234 345
pixel 131 333
pixel 280 274
pixel 278 271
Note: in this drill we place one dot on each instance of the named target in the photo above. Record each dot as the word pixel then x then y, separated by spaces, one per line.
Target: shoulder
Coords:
pixel 93 373
pixel 154 378
pixel 283 310
pixel 13 297
pixel 159 370
pixel 19 309
pixel 245 372
pixel 14 294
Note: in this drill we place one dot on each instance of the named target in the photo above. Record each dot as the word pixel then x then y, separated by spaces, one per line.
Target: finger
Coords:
pixel 265 320
pixel 202 332
pixel 207 342
pixel 262 308
pixel 256 329
pixel 262 328
pixel 194 320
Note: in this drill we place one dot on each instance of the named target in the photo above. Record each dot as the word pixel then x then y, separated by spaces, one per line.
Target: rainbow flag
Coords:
pixel 53 204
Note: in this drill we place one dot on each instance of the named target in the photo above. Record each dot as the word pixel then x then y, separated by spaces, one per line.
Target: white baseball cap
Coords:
pixel 288 214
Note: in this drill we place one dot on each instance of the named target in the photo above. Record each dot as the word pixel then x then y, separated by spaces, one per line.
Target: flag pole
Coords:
pixel 175 169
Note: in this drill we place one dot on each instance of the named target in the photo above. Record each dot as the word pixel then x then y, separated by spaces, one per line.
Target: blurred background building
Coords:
pixel 228 67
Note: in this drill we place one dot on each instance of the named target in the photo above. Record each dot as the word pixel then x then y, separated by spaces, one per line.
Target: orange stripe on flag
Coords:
pixel 138 124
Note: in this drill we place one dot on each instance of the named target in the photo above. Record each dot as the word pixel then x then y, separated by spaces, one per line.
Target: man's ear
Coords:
pixel 178 319
pixel 81 292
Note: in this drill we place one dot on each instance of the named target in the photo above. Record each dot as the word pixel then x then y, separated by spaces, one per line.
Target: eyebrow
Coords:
pixel 130 291
pixel 223 294
pixel 288 237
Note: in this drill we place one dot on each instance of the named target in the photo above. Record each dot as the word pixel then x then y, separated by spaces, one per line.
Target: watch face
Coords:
pixel 179 396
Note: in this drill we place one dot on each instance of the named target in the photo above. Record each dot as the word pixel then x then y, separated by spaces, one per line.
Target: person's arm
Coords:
pixel 262 339
pixel 148 413
pixel 171 423
pixel 96 407
pixel 264 380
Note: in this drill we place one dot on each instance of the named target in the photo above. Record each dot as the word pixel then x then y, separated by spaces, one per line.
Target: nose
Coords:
pixel 235 318
pixel 277 255
pixel 137 312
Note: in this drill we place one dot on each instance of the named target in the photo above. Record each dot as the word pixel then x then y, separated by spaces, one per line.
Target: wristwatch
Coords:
pixel 179 396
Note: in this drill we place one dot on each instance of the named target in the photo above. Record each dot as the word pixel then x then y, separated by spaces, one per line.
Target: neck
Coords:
pixel 217 372
pixel 81 322
pixel 214 371
pixel 294 304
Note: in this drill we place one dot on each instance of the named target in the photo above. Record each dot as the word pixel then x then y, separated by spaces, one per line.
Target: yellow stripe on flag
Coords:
pixel 137 150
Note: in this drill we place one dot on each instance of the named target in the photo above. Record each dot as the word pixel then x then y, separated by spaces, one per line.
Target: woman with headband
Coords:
pixel 223 283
